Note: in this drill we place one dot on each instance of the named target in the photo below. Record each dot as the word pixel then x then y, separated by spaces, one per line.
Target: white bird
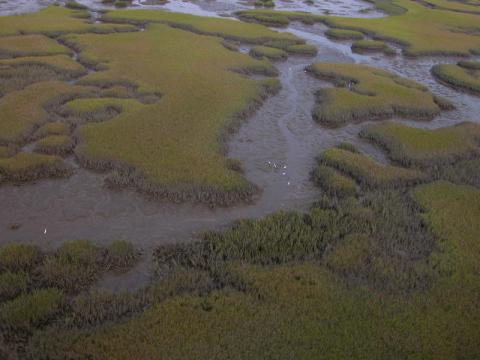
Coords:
pixel 45 231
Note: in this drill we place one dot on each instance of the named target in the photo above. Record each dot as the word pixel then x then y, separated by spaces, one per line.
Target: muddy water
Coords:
pixel 277 148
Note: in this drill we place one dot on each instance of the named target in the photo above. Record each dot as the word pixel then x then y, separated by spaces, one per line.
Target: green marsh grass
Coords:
pixel 52 128
pixel 367 172
pixel 13 284
pixel 272 54
pixel 30 45
pixel 30 311
pixel 60 145
pixel 302 49
pixel 23 110
pixel 463 76
pixel 418 29
pixel 412 146
pixel 366 46
pixel 19 257
pixel 341 34
pixel 178 146
pixel 367 93
pixel 54 20
pixel 24 167
pixel 121 255
pixel 333 182
pixel 62 64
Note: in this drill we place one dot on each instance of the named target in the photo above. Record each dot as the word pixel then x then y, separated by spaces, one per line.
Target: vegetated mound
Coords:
pixel 228 29
pixel 412 146
pixel 366 171
pixel 24 167
pixel 63 64
pixel 464 76
pixel 420 29
pixel 342 34
pixel 30 45
pixel 366 93
pixel 23 111
pixel 172 147
pixel 270 53
pixel 367 46
pixel 54 20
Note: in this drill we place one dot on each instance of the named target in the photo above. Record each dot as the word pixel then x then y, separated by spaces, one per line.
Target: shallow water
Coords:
pixel 277 148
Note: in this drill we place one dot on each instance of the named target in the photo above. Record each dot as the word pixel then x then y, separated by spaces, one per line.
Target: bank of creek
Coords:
pixel 277 147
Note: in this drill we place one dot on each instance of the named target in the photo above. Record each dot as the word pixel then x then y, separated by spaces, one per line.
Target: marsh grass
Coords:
pixel 411 146
pixel 341 34
pixel 367 172
pixel 302 49
pixel 54 21
pixel 269 53
pixel 333 182
pixel 60 145
pixel 52 128
pixel 463 76
pixel 13 284
pixel 366 93
pixel 30 311
pixel 19 257
pixel 121 256
pixel 366 46
pixel 24 110
pixel 30 45
pixel 23 167
pixel 155 161
pixel 418 29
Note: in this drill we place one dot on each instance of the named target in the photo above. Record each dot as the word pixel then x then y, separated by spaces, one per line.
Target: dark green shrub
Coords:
pixel 18 257
pixel 31 310
pixel 13 284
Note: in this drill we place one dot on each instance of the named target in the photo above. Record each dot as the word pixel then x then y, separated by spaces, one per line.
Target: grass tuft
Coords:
pixel 19 257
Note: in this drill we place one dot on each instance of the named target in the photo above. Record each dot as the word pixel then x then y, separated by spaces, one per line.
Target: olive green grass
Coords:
pixel 463 76
pixel 273 54
pixel 33 310
pixel 227 29
pixel 55 20
pixel 171 148
pixel 24 167
pixel 366 93
pixel 121 255
pixel 60 63
pixel 418 29
pixel 367 172
pixel 17 77
pixel 60 145
pixel 341 34
pixel 302 49
pixel 333 182
pixel 52 128
pixel 19 257
pixel 23 111
pixel 367 46
pixel 420 147
pixel 13 284
pixel 30 45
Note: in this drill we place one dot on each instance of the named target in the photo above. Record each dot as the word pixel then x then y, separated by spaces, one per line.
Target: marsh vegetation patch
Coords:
pixel 367 93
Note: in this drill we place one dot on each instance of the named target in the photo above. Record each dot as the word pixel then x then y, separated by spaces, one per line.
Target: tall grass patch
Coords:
pixel 366 93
